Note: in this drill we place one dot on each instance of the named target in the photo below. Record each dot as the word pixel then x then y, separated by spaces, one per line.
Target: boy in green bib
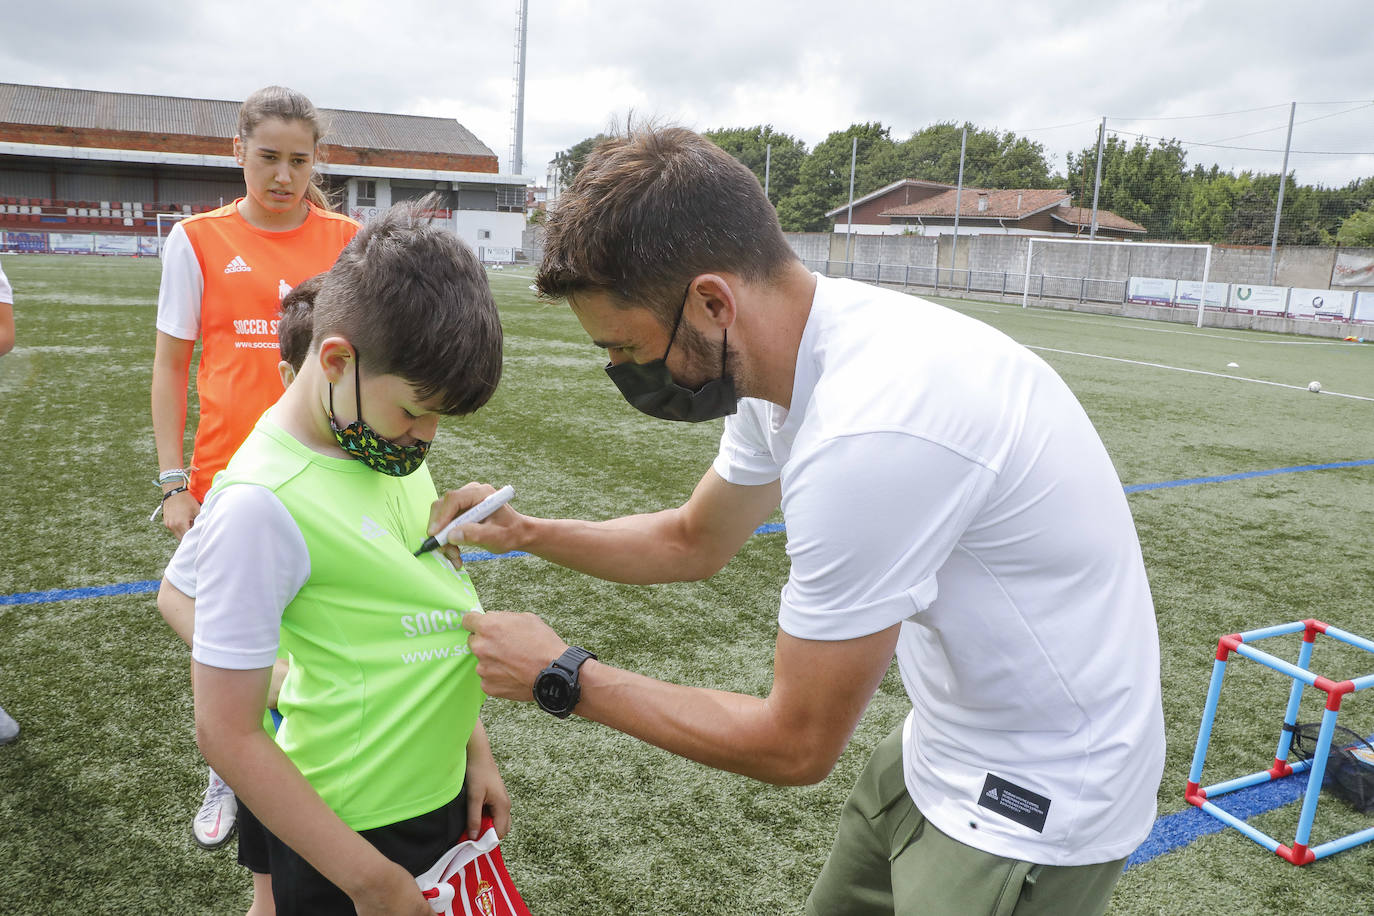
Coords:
pixel 306 544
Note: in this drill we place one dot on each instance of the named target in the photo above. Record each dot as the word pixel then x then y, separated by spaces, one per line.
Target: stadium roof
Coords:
pixel 84 109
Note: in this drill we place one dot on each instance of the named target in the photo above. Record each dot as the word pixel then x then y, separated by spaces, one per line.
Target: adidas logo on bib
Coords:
pixel 992 794
pixel 372 530
pixel 237 266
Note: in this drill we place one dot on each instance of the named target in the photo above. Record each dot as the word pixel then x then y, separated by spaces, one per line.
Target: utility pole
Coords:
pixel 849 229
pixel 958 195
pixel 1283 179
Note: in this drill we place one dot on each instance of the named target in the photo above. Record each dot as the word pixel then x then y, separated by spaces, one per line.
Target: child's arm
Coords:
pixel 229 732
pixel 485 786
pixel 179 610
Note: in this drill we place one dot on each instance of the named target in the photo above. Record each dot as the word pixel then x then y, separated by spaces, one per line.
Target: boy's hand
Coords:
pixel 395 893
pixel 501 532
pixel 486 790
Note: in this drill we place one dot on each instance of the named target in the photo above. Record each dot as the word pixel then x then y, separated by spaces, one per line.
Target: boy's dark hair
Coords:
pixel 413 300
pixel 297 323
pixel 651 210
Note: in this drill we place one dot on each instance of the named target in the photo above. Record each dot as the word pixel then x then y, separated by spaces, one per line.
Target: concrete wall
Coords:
pixel 994 255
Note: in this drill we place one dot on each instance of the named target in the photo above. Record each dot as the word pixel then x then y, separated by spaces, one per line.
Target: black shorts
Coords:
pixel 299 890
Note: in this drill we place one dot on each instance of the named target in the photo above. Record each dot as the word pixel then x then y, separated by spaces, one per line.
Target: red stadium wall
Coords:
pixel 218 146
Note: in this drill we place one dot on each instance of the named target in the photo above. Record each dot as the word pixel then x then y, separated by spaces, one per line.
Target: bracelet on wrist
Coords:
pixel 166 496
pixel 166 477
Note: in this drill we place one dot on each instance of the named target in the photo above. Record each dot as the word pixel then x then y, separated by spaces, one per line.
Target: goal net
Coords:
pixel 1112 272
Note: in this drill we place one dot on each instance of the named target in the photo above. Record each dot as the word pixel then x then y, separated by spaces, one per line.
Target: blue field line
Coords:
pixel 1174 831
pixel 477 556
pixel 1190 481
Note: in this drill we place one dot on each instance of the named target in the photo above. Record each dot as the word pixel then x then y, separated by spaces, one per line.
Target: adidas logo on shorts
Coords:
pixel 237 266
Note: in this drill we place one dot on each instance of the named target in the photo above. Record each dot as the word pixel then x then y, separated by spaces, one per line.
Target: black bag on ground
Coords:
pixel 1349 764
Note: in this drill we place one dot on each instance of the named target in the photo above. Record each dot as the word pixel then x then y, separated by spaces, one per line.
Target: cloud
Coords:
pixel 806 67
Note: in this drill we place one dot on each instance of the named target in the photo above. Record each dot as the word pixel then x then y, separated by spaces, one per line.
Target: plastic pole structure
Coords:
pixel 1283 179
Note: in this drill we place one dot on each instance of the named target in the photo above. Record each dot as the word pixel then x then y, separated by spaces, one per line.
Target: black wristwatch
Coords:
pixel 556 690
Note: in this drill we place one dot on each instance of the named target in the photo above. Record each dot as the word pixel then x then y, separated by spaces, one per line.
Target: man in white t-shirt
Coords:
pixel 946 499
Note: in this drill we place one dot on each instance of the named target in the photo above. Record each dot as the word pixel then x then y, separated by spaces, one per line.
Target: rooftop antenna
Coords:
pixel 517 150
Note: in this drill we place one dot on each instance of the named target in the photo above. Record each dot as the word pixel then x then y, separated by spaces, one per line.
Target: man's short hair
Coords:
pixel 414 301
pixel 297 323
pixel 651 210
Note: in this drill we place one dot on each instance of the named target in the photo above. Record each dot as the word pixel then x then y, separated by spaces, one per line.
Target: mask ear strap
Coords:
pixel 673 336
pixel 724 339
pixel 357 384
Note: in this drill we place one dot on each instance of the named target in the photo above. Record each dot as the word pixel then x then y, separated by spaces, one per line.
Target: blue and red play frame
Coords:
pixel 1299 853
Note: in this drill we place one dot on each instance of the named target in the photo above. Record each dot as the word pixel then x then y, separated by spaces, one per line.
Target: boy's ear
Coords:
pixel 286 372
pixel 336 356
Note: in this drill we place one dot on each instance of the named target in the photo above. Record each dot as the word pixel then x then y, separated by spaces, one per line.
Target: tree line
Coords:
pixel 1150 183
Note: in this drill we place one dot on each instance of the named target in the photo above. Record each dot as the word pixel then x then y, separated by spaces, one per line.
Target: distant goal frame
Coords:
pixel 1206 264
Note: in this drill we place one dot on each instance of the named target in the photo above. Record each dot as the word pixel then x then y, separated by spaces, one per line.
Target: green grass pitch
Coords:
pixel 97 794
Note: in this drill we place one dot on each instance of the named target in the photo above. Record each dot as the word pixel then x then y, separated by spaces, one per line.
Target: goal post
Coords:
pixel 170 218
pixel 1078 269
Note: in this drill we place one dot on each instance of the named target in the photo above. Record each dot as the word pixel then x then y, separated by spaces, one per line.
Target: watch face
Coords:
pixel 555 691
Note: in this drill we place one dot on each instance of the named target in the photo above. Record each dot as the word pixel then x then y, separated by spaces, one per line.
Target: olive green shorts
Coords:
pixel 888 859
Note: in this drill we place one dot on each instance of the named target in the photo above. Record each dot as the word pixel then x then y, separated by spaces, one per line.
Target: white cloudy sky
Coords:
pixel 1221 72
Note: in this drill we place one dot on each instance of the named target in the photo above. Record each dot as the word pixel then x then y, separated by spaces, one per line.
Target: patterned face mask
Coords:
pixel 362 442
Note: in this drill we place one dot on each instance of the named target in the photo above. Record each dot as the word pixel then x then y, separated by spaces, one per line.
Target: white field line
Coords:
pixel 1235 378
pixel 1138 325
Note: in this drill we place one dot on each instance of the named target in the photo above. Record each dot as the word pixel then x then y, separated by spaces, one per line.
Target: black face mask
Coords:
pixel 649 387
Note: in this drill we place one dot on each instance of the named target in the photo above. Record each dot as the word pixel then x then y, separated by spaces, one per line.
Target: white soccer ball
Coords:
pixel 1314 387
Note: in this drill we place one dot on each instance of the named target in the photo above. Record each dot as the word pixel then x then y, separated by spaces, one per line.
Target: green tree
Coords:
pixel 823 180
pixel 1141 182
pixel 568 162
pixel 1357 230
pixel 750 145
pixel 991 159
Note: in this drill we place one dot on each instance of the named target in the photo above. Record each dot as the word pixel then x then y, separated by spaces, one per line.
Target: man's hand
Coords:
pixel 179 512
pixel 500 532
pixel 511 650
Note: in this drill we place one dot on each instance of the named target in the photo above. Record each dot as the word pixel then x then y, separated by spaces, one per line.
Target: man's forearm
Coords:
pixel 727 731
pixel 637 549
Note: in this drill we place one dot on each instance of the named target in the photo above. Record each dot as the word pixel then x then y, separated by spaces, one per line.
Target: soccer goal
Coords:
pixel 1106 271
pixel 170 218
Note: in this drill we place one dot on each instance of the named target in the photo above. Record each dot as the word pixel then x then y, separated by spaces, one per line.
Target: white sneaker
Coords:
pixel 9 729
pixel 214 823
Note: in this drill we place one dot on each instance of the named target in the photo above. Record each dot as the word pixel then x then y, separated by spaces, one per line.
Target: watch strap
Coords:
pixel 571 660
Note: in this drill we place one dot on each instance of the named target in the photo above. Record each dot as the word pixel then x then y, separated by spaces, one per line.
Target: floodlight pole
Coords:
pixel 958 193
pixel 849 224
pixel 517 164
pixel 1283 178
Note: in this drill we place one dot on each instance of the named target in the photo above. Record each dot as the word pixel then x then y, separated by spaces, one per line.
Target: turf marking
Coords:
pixel 1236 378
pixel 478 556
pixel 1137 324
